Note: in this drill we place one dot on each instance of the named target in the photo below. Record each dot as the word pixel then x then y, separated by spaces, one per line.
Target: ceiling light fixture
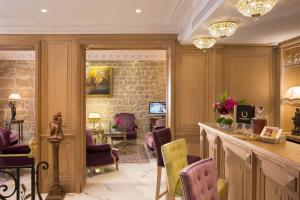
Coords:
pixel 204 42
pixel 222 29
pixel 138 10
pixel 255 8
pixel 44 10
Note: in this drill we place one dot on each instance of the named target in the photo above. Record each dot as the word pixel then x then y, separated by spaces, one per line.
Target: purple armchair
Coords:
pixel 8 146
pixel 127 123
pixel 159 124
pixel 98 155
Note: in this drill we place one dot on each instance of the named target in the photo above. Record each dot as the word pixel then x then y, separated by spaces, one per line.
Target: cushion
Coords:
pixel 98 148
pixel 6 134
pixel 89 138
pixel 16 149
pixel 13 138
pixel 222 187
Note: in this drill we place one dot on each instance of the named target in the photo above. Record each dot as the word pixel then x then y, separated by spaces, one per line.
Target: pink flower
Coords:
pixel 117 120
pixel 229 104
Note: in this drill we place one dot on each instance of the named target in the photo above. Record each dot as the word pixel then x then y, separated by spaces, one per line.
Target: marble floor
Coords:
pixel 132 182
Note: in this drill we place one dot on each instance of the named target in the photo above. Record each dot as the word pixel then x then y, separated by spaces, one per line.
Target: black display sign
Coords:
pixel 244 113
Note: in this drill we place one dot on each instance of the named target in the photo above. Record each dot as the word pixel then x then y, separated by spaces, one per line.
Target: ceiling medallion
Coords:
pixel 204 42
pixel 255 8
pixel 222 29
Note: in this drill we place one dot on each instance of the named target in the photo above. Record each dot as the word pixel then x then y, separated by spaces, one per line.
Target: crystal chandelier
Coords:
pixel 222 29
pixel 255 8
pixel 205 42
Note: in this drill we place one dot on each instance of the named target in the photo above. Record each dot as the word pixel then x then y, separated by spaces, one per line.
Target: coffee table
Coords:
pixel 114 134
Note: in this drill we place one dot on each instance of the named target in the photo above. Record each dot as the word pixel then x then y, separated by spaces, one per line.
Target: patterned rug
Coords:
pixel 132 153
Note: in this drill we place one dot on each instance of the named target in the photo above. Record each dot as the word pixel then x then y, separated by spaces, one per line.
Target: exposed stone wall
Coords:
pixel 135 84
pixel 18 76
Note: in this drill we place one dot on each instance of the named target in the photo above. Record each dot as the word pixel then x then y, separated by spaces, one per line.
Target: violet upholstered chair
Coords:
pixel 159 124
pixel 99 155
pixel 127 124
pixel 161 137
pixel 8 145
pixel 200 181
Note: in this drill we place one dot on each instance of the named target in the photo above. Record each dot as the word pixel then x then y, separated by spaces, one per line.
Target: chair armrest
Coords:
pixel 98 148
pixel 16 149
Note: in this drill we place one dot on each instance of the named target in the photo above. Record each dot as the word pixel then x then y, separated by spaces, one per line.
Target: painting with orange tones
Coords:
pixel 99 81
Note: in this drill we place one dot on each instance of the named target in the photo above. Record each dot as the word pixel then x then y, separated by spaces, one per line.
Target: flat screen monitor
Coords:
pixel 158 108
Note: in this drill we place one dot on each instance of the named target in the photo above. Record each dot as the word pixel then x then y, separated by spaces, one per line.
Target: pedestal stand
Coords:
pixel 56 191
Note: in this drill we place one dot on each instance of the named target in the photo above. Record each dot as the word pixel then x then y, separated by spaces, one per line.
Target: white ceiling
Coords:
pixel 282 23
pixel 185 17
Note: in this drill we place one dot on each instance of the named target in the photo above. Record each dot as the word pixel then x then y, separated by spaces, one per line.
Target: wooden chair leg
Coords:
pixel 158 180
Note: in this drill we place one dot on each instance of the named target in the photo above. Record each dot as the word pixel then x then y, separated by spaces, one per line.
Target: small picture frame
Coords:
pixel 270 134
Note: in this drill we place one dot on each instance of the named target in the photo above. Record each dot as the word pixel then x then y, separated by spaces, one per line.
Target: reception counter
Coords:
pixel 254 170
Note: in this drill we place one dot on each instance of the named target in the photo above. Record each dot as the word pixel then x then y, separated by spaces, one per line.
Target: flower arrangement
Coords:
pixel 117 123
pixel 224 108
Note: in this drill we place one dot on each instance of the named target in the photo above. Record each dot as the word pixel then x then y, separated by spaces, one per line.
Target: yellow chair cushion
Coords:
pixel 175 159
pixel 222 187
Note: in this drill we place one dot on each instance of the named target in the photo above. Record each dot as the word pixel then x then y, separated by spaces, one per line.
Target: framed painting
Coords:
pixel 99 81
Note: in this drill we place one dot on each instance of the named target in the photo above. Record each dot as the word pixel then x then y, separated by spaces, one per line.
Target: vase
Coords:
pixel 226 126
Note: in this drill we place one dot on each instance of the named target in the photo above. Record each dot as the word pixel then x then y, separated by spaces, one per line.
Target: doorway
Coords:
pixel 126 93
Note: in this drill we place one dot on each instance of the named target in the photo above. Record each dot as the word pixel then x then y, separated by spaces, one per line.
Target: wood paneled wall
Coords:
pixel 195 78
pixel 246 72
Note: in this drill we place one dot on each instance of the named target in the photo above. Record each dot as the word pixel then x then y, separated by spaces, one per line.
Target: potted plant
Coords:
pixel 226 123
pixel 224 109
pixel 116 127
pixel 219 121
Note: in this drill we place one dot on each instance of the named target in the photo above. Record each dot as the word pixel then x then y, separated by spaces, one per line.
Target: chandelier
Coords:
pixel 222 29
pixel 255 8
pixel 205 42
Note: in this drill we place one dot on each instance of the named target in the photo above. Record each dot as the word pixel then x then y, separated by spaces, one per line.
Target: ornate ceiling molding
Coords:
pixel 85 29
pixel 17 55
pixel 126 55
pixel 201 11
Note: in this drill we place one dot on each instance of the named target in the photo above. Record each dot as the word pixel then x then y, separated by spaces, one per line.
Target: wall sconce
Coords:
pixel 292 96
pixel 94 118
pixel 12 101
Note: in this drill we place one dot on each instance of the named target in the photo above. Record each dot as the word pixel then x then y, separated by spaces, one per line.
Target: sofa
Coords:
pixel 9 145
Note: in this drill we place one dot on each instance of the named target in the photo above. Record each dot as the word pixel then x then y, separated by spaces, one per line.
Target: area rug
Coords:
pixel 132 153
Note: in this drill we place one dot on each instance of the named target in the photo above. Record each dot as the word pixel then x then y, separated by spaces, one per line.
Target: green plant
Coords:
pixel 220 119
pixel 227 121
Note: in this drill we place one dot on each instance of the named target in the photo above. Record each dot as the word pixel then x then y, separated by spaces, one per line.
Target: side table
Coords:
pixel 20 128
pixel 114 134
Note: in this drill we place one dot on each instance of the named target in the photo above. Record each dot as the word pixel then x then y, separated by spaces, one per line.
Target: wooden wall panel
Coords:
pixel 249 74
pixel 60 93
pixel 197 84
pixel 246 72
pixel 191 87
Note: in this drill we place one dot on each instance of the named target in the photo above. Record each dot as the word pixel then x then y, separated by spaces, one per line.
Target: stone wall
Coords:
pixel 18 76
pixel 135 84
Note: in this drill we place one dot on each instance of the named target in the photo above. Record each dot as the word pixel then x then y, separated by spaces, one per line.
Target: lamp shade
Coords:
pixel 14 97
pixel 94 116
pixel 292 96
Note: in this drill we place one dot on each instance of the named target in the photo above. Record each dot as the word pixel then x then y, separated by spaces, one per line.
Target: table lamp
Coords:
pixel 292 96
pixel 94 118
pixel 12 101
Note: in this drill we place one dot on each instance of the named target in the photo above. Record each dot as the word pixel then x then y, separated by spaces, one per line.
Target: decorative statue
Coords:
pixel 12 105
pixel 55 126
pixel 296 122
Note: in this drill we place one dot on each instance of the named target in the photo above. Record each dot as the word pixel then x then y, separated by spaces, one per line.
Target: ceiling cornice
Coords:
pixel 17 55
pixel 201 11
pixel 126 55
pixel 84 29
